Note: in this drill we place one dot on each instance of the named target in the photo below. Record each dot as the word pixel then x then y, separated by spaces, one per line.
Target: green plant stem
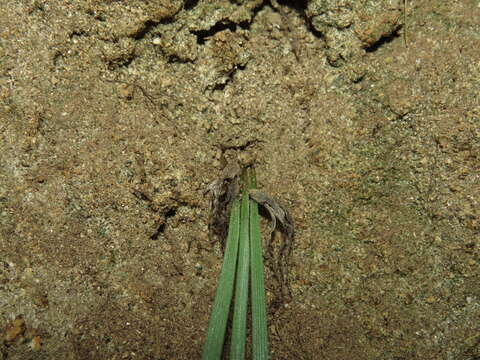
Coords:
pixel 212 349
pixel 239 327
pixel 259 313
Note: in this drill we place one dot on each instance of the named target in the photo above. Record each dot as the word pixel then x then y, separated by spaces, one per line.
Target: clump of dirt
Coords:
pixel 352 27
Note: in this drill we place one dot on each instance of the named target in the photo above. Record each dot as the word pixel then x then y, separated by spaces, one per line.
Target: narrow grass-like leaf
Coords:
pixel 212 349
pixel 239 327
pixel 259 313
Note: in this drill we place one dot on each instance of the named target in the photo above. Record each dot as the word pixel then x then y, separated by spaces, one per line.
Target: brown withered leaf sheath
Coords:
pixel 224 190
pixel 276 210
pixel 283 222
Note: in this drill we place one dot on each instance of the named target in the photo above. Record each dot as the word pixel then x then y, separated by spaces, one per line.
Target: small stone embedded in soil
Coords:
pixel 377 28
pixel 36 343
pixel 15 329
pixel 126 91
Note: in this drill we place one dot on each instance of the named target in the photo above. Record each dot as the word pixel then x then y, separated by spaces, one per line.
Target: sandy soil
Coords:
pixel 362 117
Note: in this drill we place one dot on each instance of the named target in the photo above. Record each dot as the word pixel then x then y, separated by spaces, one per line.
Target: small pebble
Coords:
pixel 36 343
pixel 126 91
pixel 14 329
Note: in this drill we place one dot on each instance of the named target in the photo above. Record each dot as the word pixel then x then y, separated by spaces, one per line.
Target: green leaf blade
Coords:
pixel 259 311
pixel 239 327
pixel 213 346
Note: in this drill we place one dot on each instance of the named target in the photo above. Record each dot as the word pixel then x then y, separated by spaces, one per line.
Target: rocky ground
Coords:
pixel 363 117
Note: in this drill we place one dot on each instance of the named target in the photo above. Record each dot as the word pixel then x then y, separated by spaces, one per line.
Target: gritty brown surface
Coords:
pixel 116 115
